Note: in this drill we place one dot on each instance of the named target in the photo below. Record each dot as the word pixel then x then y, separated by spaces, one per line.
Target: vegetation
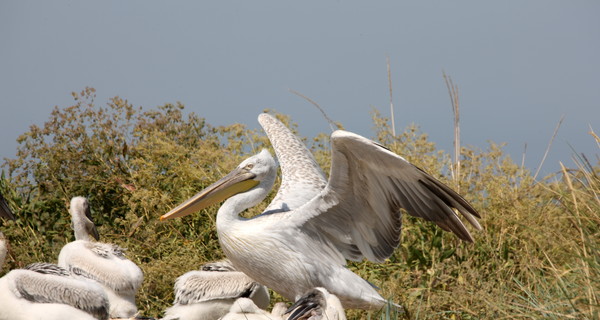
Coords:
pixel 537 258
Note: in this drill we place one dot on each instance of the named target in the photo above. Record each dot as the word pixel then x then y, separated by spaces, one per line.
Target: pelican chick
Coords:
pixel 45 291
pixel 313 225
pixel 104 263
pixel 210 292
pixel 317 304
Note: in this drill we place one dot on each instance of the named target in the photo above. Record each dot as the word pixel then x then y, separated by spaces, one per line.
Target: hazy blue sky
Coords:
pixel 519 65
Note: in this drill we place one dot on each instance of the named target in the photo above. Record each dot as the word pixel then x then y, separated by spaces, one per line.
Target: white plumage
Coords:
pixel 209 293
pixel 44 291
pixel 313 225
pixel 245 309
pixel 102 262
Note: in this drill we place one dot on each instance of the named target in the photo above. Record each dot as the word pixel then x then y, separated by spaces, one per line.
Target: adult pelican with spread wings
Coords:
pixel 314 225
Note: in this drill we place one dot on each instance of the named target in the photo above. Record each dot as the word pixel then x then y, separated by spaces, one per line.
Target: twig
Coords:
pixel 331 123
pixel 523 157
pixel 595 136
pixel 548 147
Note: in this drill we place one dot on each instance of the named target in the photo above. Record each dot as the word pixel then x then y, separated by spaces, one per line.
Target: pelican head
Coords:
pixel 81 219
pixel 253 178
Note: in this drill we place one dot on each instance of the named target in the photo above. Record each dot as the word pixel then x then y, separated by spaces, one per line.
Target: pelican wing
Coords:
pixel 359 210
pixel 302 178
pixel 219 266
pixel 102 262
pixel 47 283
pixel 200 286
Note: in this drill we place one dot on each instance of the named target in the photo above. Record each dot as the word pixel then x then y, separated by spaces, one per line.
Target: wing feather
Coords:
pixel 302 178
pixel 54 287
pixel 359 209
pixel 200 286
pixel 102 262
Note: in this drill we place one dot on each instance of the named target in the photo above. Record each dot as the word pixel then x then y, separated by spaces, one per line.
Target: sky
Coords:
pixel 519 65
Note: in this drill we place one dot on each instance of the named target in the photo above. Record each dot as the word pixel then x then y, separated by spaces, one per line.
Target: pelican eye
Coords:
pixel 249 166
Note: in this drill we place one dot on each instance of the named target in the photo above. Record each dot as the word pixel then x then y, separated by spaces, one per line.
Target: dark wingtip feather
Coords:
pixel 310 301
pixel 453 203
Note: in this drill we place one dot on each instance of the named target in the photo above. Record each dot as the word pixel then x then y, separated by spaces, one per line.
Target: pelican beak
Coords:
pixel 237 181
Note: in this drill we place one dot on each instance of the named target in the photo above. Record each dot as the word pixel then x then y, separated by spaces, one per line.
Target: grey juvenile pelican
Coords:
pixel 44 291
pixel 312 226
pixel 103 262
pixel 208 293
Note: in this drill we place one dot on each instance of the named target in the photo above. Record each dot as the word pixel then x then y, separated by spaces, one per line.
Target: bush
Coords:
pixel 538 256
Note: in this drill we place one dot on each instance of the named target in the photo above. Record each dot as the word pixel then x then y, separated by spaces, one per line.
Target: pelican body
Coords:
pixel 313 225
pixel 104 263
pixel 209 293
pixel 246 309
pixel 44 291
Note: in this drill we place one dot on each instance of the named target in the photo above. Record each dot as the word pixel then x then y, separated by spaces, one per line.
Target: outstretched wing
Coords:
pixel 359 210
pixel 301 177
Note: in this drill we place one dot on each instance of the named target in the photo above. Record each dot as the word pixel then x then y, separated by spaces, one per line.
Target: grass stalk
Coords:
pixel 389 75
pixel 453 92
pixel 537 171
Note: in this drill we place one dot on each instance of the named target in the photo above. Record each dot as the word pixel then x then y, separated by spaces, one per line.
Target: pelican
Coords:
pixel 45 291
pixel 209 293
pixel 5 211
pixel 245 309
pixel 279 310
pixel 102 262
pixel 317 304
pixel 313 225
